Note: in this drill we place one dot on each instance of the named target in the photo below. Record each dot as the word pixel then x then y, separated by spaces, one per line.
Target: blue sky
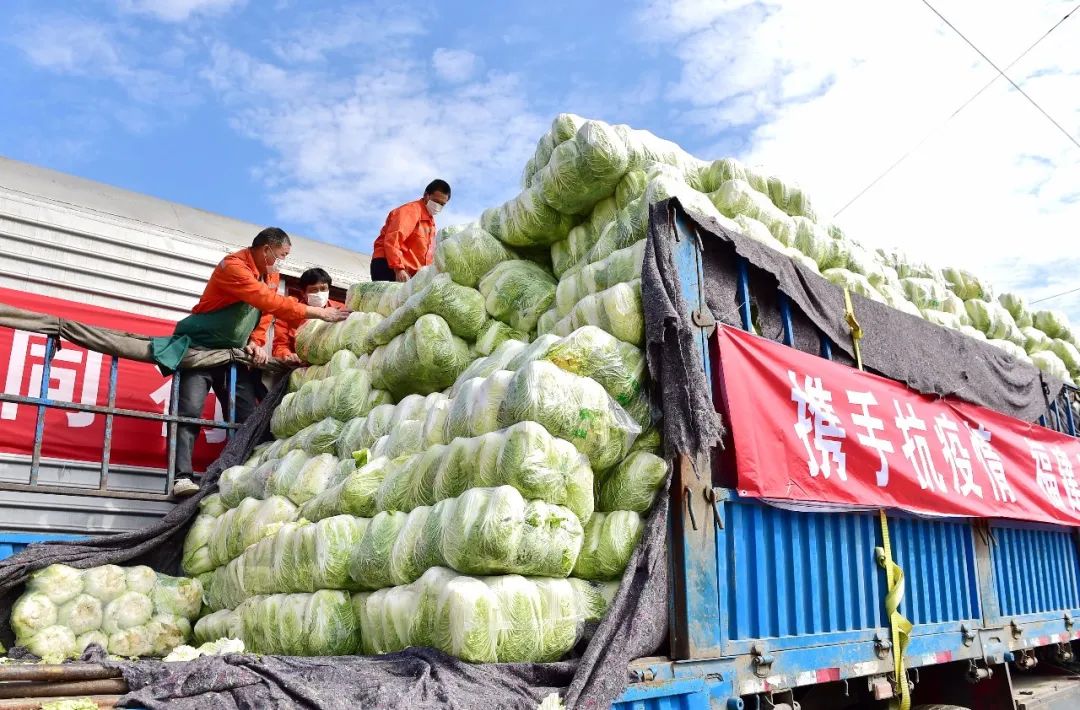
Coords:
pixel 320 116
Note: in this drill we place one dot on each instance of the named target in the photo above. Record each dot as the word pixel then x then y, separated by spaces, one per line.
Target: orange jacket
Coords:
pixel 406 238
pixel 285 332
pixel 236 278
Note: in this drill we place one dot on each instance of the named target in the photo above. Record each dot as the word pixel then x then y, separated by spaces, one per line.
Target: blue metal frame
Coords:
pixel 779 599
pixel 44 403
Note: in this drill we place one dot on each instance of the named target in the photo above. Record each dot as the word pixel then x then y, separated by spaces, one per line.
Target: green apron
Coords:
pixel 228 327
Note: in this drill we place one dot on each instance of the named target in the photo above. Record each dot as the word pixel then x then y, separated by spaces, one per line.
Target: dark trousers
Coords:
pixel 381 271
pixel 194 387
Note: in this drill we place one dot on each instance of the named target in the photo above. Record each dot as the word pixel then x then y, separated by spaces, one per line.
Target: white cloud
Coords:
pixel 177 10
pixel 455 65
pixel 838 90
pixel 349 147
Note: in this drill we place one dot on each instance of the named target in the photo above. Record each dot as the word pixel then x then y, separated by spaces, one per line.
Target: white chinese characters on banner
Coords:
pixel 916 449
pixel 69 368
pixel 991 463
pixel 1044 473
pixel 817 416
pixel 1068 479
pixel 868 426
pixel 956 456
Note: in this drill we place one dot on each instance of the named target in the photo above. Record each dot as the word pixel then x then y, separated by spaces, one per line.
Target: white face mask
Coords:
pixel 319 299
pixel 274 266
pixel 433 207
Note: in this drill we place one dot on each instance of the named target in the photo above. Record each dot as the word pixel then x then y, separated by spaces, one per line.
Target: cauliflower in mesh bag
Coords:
pixel 517 293
pixel 469 254
pixel 609 542
pixel 426 358
pixel 462 307
pixel 633 484
pixel 524 456
pixel 317 624
pixel 571 407
pixel 616 310
pixel 620 266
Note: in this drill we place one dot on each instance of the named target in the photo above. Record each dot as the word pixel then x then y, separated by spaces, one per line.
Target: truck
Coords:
pixel 773 605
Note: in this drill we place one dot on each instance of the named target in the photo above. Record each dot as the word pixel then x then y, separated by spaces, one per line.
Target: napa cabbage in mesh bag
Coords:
pixel 353 495
pixel 618 366
pixel 584 170
pixel 460 306
pixel 1035 340
pixel 1051 364
pixel 372 297
pixel 1069 355
pixel 408 438
pixel 1017 307
pixel 301 484
pixel 569 252
pixel 300 557
pixel 750 227
pixel 469 254
pixel 547 322
pixel 223 624
pixel 925 293
pixel 362 432
pixel 426 358
pixel 616 310
pixel 483 366
pixel 571 407
pixel 895 298
pixel 226 536
pixel 609 542
pixel 972 332
pixel 945 320
pixel 633 484
pixel 494 334
pixel 340 361
pixel 854 283
pixel 991 318
pixel 524 456
pixel 621 266
pixel 475 408
pixel 967 286
pixel 527 220
pixel 1011 348
pixel 791 199
pixel 517 292
pixel 318 624
pixel 1054 323
pixel 318 438
pixel 721 171
pixel 736 197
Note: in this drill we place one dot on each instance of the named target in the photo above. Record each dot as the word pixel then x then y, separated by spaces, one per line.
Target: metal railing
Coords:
pixel 172 421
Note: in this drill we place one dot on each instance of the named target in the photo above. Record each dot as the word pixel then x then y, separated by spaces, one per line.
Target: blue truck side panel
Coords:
pixel 12 543
pixel 1035 569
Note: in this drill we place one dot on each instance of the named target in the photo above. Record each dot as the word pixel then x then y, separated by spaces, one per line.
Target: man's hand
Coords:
pixel 401 275
pixel 257 353
pixel 331 315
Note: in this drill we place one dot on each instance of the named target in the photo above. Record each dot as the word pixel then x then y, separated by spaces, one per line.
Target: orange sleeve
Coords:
pixel 236 280
pixel 284 339
pixel 399 225
pixel 258 336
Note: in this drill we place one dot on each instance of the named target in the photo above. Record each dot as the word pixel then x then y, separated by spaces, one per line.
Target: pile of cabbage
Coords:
pixel 469 459
pixel 128 611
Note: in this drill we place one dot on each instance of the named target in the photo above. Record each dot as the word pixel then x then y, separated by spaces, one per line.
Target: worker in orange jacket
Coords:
pixel 235 310
pixel 406 242
pixel 315 283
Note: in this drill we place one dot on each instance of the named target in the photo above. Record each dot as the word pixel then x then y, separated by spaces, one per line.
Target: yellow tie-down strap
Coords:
pixel 894 575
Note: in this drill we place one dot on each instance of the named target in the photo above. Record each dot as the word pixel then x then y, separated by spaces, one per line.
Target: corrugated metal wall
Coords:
pixel 1035 568
pixel 82 241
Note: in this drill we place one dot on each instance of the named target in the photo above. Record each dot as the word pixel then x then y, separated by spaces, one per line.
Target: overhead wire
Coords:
pixel 1056 295
pixel 965 104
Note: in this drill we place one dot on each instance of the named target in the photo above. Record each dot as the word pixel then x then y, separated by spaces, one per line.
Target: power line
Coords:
pixel 955 113
pixel 1056 295
pixel 1006 76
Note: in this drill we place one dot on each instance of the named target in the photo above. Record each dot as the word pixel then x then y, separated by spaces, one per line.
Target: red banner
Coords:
pixel 807 429
pixel 81 376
